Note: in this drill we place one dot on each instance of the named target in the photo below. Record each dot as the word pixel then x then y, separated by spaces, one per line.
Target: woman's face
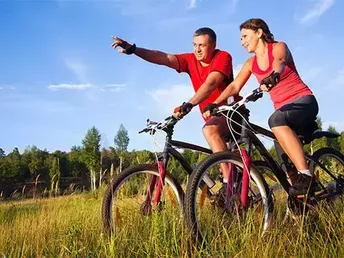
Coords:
pixel 250 39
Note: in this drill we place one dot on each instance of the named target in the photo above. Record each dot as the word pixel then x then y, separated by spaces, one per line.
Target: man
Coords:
pixel 210 71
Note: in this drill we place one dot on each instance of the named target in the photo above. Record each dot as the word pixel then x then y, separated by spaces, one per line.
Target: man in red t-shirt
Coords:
pixel 210 71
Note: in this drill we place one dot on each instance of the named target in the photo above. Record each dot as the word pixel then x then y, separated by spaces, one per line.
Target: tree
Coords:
pixel 63 162
pixel 91 153
pixel 333 142
pixel 77 165
pixel 341 142
pixel 38 164
pixel 15 162
pixel 121 139
pixel 317 143
pixel 2 153
pixel 144 156
pixel 121 144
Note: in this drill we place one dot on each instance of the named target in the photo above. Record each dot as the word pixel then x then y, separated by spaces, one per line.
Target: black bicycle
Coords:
pixel 247 194
pixel 141 191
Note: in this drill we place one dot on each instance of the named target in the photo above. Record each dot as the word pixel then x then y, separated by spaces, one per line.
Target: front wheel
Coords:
pixel 128 207
pixel 207 220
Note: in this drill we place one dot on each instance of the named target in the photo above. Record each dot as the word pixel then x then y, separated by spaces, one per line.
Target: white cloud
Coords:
pixel 78 68
pixel 66 86
pixel 192 4
pixel 168 99
pixel 114 87
pixel 318 9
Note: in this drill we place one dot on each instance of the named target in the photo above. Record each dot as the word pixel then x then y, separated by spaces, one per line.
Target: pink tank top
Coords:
pixel 290 86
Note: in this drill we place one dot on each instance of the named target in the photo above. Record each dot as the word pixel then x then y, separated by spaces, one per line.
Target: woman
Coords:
pixel 294 103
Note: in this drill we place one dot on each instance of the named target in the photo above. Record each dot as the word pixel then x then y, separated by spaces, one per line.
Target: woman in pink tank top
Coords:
pixel 294 103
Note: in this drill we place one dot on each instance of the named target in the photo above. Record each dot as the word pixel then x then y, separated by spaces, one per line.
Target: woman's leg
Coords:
pixel 295 115
pixel 291 145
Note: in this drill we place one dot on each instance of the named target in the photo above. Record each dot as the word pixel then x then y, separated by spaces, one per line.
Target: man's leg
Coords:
pixel 215 131
pixel 213 136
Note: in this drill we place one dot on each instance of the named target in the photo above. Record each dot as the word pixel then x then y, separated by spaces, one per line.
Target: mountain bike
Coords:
pixel 247 195
pixel 142 191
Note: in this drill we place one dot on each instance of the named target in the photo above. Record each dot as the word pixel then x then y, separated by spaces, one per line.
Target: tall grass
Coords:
pixel 71 227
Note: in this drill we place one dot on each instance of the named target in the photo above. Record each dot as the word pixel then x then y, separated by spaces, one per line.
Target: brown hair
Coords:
pixel 256 24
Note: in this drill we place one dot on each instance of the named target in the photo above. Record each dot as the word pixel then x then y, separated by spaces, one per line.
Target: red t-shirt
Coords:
pixel 222 62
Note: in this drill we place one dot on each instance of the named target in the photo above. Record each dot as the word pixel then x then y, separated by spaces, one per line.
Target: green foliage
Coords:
pixel 341 142
pixel 333 142
pixel 38 162
pixel 2 153
pixel 11 165
pixel 77 167
pixel 82 161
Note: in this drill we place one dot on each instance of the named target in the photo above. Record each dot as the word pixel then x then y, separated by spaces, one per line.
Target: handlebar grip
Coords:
pixel 215 112
pixel 256 94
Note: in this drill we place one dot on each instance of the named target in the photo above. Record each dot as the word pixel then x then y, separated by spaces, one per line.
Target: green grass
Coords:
pixel 71 227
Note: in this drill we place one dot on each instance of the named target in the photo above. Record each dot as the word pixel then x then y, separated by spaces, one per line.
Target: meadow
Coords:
pixel 71 226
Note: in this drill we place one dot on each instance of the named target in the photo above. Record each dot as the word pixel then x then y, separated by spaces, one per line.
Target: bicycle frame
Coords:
pixel 162 162
pixel 250 139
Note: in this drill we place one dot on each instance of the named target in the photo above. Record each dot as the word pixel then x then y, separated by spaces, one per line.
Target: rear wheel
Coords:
pixel 328 171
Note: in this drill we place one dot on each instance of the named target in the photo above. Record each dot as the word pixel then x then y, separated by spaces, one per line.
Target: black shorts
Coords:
pixel 223 124
pixel 297 114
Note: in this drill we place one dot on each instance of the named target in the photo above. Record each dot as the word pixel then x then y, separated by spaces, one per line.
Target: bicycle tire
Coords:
pixel 113 187
pixel 320 156
pixel 194 182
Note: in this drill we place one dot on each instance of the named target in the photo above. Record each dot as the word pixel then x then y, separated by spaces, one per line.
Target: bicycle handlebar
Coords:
pixel 251 97
pixel 153 126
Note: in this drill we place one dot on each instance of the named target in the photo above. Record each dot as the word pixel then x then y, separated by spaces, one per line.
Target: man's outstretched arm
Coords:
pixel 152 56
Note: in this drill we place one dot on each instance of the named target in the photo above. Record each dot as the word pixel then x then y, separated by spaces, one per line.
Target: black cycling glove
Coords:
pixel 271 80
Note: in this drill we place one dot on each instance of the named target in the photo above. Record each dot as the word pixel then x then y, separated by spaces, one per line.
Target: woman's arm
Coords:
pixel 239 82
pixel 280 53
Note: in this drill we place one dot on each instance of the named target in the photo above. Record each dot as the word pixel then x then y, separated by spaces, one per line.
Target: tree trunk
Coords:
pixel 111 171
pixel 120 163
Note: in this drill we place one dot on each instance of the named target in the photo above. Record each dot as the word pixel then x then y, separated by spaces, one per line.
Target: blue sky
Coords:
pixel 59 75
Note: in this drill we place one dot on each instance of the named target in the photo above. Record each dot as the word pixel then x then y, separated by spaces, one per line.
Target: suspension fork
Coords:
pixel 233 180
pixel 156 183
pixel 161 182
pixel 245 178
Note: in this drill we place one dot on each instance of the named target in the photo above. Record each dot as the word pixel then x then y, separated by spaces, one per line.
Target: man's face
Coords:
pixel 203 48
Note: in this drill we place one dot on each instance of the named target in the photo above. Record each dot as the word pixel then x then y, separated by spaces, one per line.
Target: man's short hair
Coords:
pixel 206 31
